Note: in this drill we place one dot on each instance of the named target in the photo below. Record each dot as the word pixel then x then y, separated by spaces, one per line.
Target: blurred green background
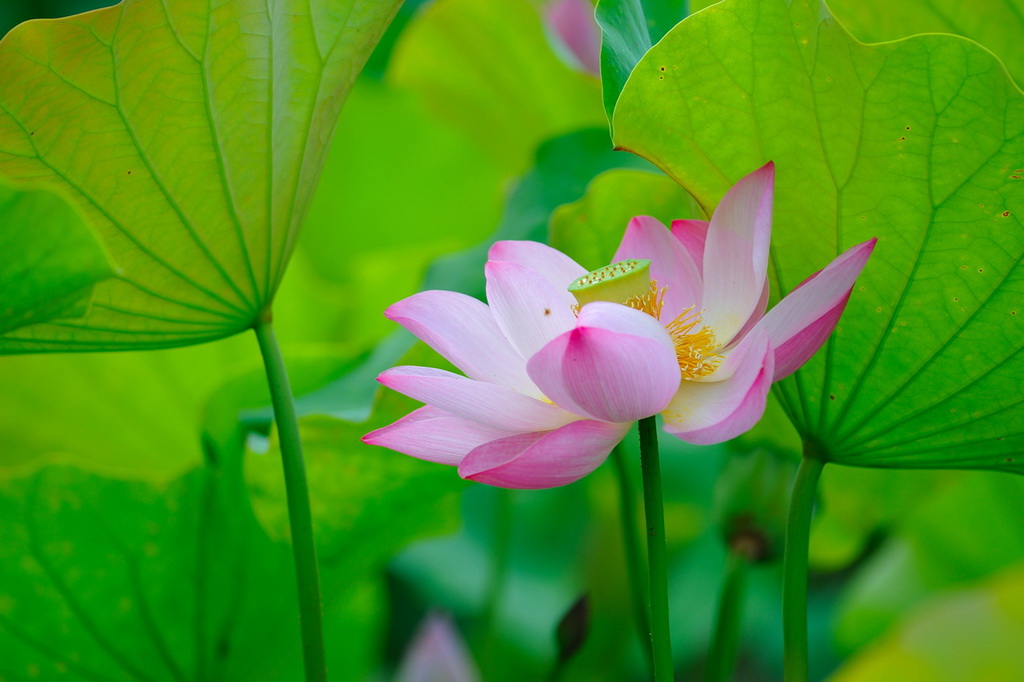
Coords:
pixel 126 470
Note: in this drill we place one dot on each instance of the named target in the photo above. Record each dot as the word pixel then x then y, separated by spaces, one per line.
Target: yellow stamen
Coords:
pixel 694 349
pixel 650 302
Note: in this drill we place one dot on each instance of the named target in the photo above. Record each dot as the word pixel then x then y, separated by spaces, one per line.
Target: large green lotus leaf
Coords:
pixel 918 142
pixel 964 532
pixel 996 24
pixel 104 579
pixel 192 136
pixel 968 635
pixel 51 258
pixel 591 228
pixel 487 67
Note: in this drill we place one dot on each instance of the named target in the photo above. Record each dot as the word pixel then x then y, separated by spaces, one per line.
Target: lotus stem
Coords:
pixel 794 582
pixel 657 564
pixel 300 517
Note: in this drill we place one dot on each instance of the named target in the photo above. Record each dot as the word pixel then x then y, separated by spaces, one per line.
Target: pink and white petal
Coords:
pixel 462 329
pixel 479 401
pixel 549 263
pixel 736 253
pixel 527 308
pixel 755 317
pixel 543 460
pixel 671 264
pixel 798 349
pixel 692 234
pixel 713 412
pixel 434 435
pixel 617 365
pixel 799 324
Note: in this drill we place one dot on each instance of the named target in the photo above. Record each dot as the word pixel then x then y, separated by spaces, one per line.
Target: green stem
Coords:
pixel 657 564
pixel 725 644
pixel 631 548
pixel 299 514
pixel 794 583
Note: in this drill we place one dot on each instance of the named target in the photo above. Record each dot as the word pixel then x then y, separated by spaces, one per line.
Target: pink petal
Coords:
pixel 692 234
pixel 479 401
pixel 757 315
pixel 617 365
pixel 437 653
pixel 715 411
pixel 800 323
pixel 549 263
pixel 671 264
pixel 462 329
pixel 573 21
pixel 434 435
pixel 527 307
pixel 736 253
pixel 543 460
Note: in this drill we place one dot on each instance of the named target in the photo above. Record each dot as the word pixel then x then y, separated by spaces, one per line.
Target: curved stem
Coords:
pixel 725 644
pixel 794 582
pixel 631 548
pixel 299 515
pixel 654 509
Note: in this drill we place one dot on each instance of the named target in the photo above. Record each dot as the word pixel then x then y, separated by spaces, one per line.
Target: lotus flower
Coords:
pixel 554 379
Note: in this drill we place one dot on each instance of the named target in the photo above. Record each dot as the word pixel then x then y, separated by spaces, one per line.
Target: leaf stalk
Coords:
pixel 300 516
pixel 794 581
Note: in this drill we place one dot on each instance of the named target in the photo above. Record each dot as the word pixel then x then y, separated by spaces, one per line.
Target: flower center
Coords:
pixel 629 282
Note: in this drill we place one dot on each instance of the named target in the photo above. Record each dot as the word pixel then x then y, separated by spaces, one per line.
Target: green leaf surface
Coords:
pixel 967 635
pixel 112 580
pixel 629 28
pixel 486 67
pixel 918 142
pixel 590 229
pixel 192 136
pixel 109 579
pixel 996 24
pixel 51 258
